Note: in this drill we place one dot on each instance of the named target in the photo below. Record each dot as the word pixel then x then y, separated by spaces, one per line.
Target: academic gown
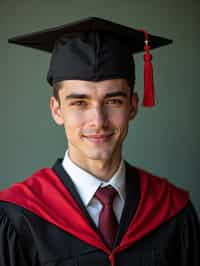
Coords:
pixel 31 238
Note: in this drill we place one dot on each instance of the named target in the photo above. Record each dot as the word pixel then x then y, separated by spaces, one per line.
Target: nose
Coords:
pixel 98 117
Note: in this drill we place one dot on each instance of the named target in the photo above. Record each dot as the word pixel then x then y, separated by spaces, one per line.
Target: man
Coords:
pixel 92 207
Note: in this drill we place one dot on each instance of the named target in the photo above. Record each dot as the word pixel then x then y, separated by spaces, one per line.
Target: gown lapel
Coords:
pixel 131 201
pixel 67 182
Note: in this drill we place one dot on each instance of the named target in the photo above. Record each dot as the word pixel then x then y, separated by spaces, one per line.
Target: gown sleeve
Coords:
pixel 190 237
pixel 11 251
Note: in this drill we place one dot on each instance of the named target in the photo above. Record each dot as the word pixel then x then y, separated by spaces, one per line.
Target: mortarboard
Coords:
pixel 95 49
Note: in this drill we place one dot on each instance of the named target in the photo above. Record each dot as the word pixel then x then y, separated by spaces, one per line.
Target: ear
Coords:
pixel 134 106
pixel 56 111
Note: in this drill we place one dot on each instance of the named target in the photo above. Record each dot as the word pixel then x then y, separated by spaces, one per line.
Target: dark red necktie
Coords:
pixel 107 219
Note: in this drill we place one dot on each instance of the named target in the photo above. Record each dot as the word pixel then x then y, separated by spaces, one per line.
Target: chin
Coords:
pixel 98 155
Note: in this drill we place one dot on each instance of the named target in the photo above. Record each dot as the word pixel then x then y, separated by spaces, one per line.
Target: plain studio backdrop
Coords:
pixel 164 140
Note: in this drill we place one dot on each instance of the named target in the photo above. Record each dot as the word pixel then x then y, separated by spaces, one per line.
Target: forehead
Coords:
pixel 93 88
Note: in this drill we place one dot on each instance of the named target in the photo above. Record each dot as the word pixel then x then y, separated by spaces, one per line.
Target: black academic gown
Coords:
pixel 27 239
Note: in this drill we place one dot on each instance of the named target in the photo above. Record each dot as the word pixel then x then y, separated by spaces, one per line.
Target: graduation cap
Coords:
pixel 95 49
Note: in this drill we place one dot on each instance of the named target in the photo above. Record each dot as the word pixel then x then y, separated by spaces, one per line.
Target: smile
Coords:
pixel 99 138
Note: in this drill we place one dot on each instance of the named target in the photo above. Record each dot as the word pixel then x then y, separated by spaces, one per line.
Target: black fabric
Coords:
pixel 91 56
pixel 91 49
pixel 131 202
pixel 45 40
pixel 26 239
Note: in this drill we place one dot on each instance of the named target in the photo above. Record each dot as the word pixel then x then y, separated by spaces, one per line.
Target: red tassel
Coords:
pixel 149 96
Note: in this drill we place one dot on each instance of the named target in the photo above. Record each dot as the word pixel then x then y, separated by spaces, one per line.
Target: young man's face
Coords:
pixel 95 116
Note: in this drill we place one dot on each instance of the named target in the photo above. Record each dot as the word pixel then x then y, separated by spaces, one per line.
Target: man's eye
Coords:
pixel 115 101
pixel 79 103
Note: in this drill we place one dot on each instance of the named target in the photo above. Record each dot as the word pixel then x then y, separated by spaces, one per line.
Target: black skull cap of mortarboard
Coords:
pixel 91 49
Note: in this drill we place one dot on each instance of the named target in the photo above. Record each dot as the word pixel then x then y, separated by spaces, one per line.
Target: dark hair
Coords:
pixel 56 87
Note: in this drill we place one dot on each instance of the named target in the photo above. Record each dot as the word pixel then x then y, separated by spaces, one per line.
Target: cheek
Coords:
pixel 120 122
pixel 119 118
pixel 72 119
pixel 73 123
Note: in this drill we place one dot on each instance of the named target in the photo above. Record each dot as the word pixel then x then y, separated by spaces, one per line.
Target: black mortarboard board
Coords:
pixel 91 49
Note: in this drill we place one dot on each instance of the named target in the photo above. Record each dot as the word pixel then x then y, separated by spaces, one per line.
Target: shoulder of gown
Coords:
pixel 13 249
pixel 189 233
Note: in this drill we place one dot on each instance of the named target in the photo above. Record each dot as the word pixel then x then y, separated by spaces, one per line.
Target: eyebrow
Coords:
pixel 86 96
pixel 116 94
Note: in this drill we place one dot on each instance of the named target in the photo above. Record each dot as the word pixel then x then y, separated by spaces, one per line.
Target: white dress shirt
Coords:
pixel 87 184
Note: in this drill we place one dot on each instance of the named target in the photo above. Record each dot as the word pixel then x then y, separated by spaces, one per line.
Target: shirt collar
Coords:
pixel 87 184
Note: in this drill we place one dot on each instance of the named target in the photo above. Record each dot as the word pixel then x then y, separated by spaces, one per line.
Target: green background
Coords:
pixel 163 140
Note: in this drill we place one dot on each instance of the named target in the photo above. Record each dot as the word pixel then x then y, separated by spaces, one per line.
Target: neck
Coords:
pixel 102 169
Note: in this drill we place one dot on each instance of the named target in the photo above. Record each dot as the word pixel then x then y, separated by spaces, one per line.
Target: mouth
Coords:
pixel 98 138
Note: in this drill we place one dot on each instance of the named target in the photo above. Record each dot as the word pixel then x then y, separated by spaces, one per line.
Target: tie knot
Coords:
pixel 106 195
